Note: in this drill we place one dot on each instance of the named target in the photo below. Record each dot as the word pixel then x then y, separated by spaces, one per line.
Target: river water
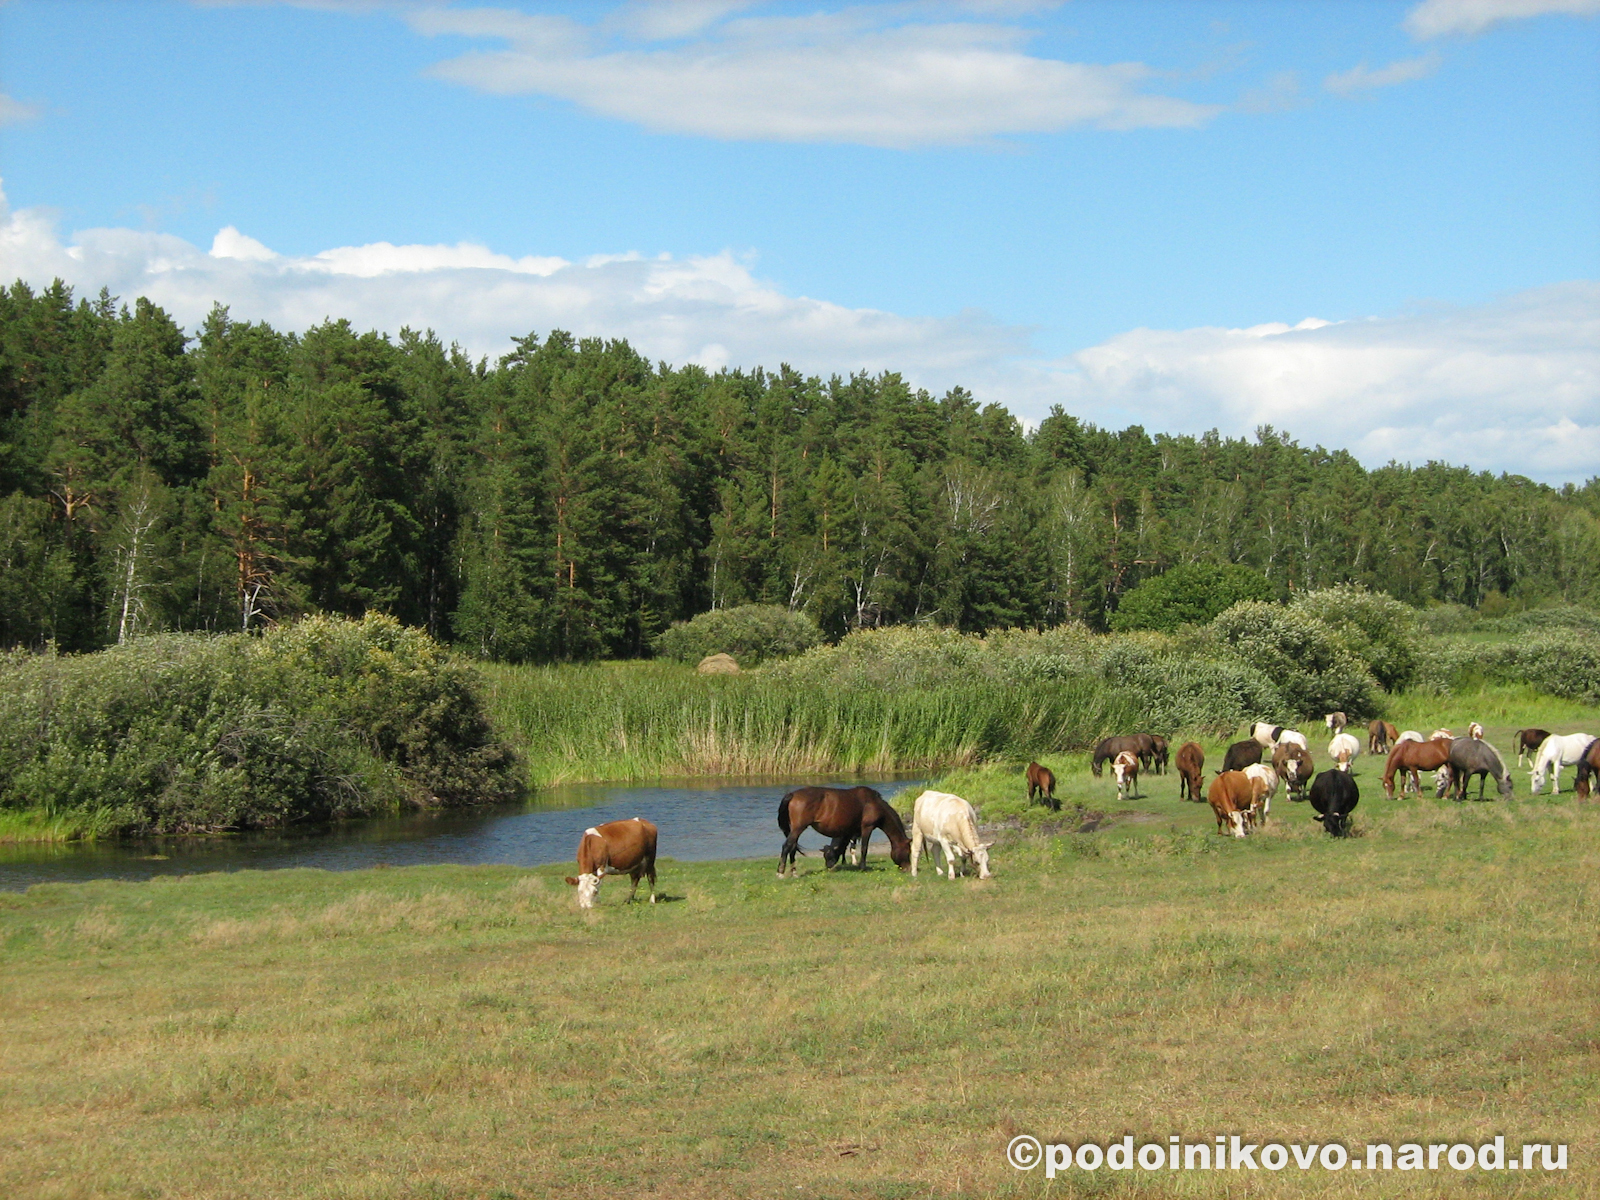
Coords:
pixel 697 820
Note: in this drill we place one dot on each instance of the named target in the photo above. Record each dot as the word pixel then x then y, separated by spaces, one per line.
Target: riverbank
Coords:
pixel 459 1032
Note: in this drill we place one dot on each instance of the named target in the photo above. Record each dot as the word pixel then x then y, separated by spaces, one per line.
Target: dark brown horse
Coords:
pixel 1142 745
pixel 1529 741
pixel 1042 782
pixel 843 814
pixel 1158 756
pixel 1413 757
pixel 1588 768
pixel 1191 762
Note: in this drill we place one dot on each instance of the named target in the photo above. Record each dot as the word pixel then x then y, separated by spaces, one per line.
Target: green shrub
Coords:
pixel 1180 691
pixel 1304 658
pixel 752 633
pixel 1377 629
pixel 1192 594
pixel 324 719
pixel 1561 664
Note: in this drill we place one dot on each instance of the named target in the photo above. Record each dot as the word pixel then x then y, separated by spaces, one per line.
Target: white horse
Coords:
pixel 1557 751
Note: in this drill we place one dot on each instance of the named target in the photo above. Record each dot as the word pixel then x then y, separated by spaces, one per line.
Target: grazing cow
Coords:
pixel 1266 733
pixel 1141 744
pixel 1264 786
pixel 1588 765
pixel 1556 752
pixel 1293 765
pixel 1158 758
pixel 1231 796
pixel 843 814
pixel 1126 769
pixel 1191 762
pixel 612 849
pixel 1344 749
pixel 946 821
pixel 1528 743
pixel 1471 756
pixel 1294 738
pixel 1336 721
pixel 1475 731
pixel 1380 735
pixel 1412 757
pixel 1334 795
pixel 1240 755
pixel 1042 782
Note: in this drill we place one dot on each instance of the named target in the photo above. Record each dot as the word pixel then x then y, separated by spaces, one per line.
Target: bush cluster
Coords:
pixel 1304 658
pixel 1563 664
pixel 751 633
pixel 323 719
pixel 1191 594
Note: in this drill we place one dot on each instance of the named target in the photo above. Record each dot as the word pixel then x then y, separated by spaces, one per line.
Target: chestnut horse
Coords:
pixel 842 814
pixel 1588 765
pixel 1413 757
pixel 1042 782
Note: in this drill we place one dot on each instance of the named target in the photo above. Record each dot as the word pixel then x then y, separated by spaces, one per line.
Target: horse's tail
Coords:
pixel 783 814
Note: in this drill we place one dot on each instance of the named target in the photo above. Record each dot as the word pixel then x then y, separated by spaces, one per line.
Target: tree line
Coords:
pixel 573 499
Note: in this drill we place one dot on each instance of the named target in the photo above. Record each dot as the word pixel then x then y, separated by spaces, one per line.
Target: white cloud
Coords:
pixel 853 76
pixel 1360 78
pixel 1513 385
pixel 15 112
pixel 1438 18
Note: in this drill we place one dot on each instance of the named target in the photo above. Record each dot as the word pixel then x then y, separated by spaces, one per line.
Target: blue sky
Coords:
pixel 1377 225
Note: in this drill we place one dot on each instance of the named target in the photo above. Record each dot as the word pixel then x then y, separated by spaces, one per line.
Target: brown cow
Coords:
pixel 1042 782
pixel 1294 766
pixel 1380 736
pixel 1413 757
pixel 1232 795
pixel 1191 761
pixel 612 849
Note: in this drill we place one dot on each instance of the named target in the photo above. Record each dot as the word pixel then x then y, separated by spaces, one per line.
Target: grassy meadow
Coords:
pixel 452 1032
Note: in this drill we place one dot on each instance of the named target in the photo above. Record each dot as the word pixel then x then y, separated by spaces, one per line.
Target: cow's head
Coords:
pixel 588 888
pixel 981 857
pixel 1238 820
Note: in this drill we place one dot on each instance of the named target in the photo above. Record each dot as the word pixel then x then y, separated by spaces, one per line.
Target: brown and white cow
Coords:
pixel 1264 786
pixel 1232 795
pixel 615 848
pixel 1126 769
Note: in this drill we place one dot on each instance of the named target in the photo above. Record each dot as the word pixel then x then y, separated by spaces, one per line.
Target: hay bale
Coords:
pixel 718 664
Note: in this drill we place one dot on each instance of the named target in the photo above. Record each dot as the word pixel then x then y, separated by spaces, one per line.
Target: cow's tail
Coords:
pixel 783 815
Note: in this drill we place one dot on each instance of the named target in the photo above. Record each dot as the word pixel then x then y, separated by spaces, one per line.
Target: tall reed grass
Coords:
pixel 640 720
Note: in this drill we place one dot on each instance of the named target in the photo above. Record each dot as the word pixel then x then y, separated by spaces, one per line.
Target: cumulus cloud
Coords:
pixel 863 75
pixel 1513 385
pixel 15 112
pixel 1360 77
pixel 1439 18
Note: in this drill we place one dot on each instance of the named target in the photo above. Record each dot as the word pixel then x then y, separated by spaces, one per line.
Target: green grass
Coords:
pixel 39 825
pixel 457 1032
pixel 647 720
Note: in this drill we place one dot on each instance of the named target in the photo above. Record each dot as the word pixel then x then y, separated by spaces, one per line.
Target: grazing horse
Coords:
pixel 1241 754
pixel 842 814
pixel 1555 752
pixel 1413 757
pixel 1335 795
pixel 1158 759
pixel 1142 745
pixel 612 849
pixel 1470 756
pixel 1528 743
pixel 1042 782
pixel 1588 765
pixel 1380 735
pixel 1191 762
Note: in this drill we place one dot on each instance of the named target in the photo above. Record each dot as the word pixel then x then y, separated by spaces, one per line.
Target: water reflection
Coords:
pixel 697 821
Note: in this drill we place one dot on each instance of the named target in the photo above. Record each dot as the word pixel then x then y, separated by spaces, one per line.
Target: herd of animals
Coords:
pixel 1240 794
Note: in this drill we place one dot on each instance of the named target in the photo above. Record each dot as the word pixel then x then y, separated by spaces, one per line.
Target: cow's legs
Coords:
pixel 916 847
pixel 949 858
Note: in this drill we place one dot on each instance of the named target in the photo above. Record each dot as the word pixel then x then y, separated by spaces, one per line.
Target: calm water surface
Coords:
pixel 696 820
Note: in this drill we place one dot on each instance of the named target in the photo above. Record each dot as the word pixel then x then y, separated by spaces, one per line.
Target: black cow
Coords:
pixel 1241 755
pixel 1334 795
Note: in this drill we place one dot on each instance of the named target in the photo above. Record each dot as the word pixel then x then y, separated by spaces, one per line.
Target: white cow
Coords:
pixel 948 820
pixel 1295 738
pixel 1344 749
pixel 1557 752
pixel 1264 785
